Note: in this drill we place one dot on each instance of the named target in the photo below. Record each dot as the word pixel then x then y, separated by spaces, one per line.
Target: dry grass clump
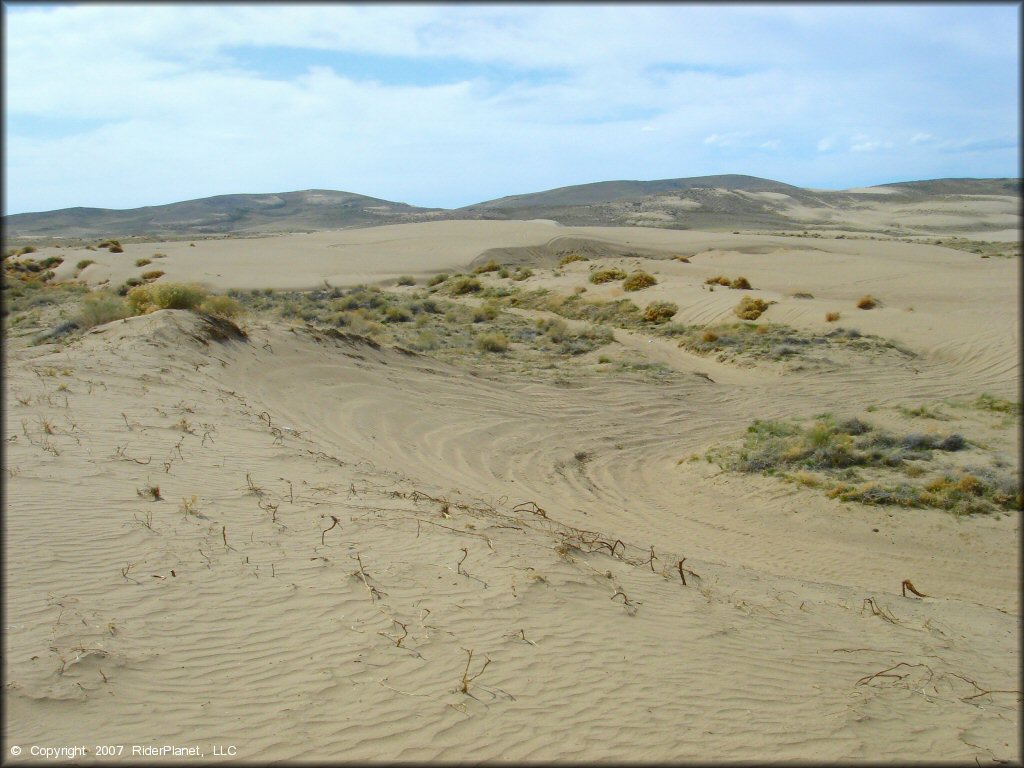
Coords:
pixel 569 258
pixel 101 307
pixel 740 283
pixel 639 280
pixel 152 275
pixel 144 299
pixel 987 402
pixel 837 450
pixel 684 259
pixel 660 311
pixel 709 336
pixel 437 279
pixel 522 273
pixel 221 306
pixel 460 285
pixel 490 266
pixel 606 275
pixel 492 342
pixel 83 264
pixel 831 317
pixel 406 280
pixel 142 262
pixel 867 302
pixel 750 309
pixel 718 280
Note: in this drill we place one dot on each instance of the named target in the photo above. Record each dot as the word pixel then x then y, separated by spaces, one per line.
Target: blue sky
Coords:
pixel 118 106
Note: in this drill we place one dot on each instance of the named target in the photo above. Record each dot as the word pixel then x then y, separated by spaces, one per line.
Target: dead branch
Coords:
pixel 324 533
pixel 908 586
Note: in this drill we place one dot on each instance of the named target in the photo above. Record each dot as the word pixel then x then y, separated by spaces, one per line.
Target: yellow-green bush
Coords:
pixel 638 281
pixel 143 299
pixel 599 276
pixel 750 309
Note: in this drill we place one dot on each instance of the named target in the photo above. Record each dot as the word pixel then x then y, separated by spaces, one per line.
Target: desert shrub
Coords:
pixel 867 302
pixel 425 341
pixel 490 266
pixel 740 283
pixel 84 263
pixel 51 261
pixel 492 342
pixel 159 255
pixel 27 249
pixel 149 298
pixel 522 273
pixel 684 259
pixel 221 306
pixel 803 295
pixel 987 402
pixel 503 272
pixel 718 280
pixel 116 249
pixel 831 317
pixel 99 308
pixel 660 311
pixel 406 280
pixel 709 336
pixel 152 275
pixel 397 315
pixel 486 311
pixel 569 258
pixel 599 276
pixel 437 279
pixel 750 309
pixel 142 262
pixel 638 281
pixel 463 284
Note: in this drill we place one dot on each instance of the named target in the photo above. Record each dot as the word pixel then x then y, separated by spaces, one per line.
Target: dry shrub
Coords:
pixel 142 262
pixel 490 266
pixel 867 302
pixel 143 299
pixel 709 336
pixel 599 276
pixel 83 264
pixel 660 311
pixel 638 281
pixel 717 280
pixel 750 309
pixel 761 330
pixel 684 259
pixel 569 258
pixel 740 283
pixel 221 306
pixel 492 342
pixel 116 249
pixel 153 275
pixel 463 284
pixel 831 317
pixel 99 308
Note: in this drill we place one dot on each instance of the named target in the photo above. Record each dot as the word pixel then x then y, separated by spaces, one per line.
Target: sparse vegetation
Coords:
pixel 83 264
pixel 142 262
pixel 101 307
pixel 143 299
pixel 406 280
pixel 867 302
pixel 638 281
pixel 152 275
pixel 492 342
pixel 718 280
pixel 437 279
pixel 460 285
pixel 569 258
pixel 831 317
pixel 490 266
pixel 607 275
pixel 740 283
pixel 831 454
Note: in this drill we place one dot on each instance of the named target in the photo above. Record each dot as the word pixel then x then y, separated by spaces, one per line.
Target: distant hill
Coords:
pixel 308 210
pixel 725 202
pixel 613 191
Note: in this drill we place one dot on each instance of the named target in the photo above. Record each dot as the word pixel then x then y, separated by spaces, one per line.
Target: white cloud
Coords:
pixel 918 138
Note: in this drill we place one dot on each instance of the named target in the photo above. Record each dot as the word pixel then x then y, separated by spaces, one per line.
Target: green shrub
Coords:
pixel 397 315
pixel 153 275
pixel 99 308
pixel 406 280
pixel 462 285
pixel 221 306
pixel 608 275
pixel 51 261
pixel 142 262
pixel 638 281
pixel 27 249
pixel 148 298
pixel 660 311
pixel 83 264
pixel 492 342
pixel 522 273
pixel 437 279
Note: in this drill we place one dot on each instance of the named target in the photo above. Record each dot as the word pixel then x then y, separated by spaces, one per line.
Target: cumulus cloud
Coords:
pixel 105 100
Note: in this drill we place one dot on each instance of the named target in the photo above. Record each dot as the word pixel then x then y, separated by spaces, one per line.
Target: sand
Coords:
pixel 362 553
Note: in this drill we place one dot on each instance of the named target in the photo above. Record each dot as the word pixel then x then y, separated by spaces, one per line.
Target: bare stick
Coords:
pixel 653 558
pixel 908 586
pixel 458 567
pixel 467 680
pixel 682 576
pixel 324 533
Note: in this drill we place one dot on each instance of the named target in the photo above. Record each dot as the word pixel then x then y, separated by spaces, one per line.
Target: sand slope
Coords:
pixel 363 517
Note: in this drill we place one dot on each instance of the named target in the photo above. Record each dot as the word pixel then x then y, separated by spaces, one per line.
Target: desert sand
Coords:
pixel 364 552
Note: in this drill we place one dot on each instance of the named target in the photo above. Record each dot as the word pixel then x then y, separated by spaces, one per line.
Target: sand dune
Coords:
pixel 340 522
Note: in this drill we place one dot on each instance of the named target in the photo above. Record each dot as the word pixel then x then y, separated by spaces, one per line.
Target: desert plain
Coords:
pixel 459 491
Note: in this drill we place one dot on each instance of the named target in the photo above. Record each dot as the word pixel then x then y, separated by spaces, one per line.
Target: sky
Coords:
pixel 444 105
